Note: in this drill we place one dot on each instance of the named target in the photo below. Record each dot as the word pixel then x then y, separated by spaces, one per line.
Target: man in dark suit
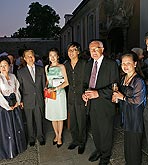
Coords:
pixel 101 72
pixel 32 83
pixel 75 73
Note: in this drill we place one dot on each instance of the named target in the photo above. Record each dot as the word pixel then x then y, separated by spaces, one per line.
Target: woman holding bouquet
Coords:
pixel 56 108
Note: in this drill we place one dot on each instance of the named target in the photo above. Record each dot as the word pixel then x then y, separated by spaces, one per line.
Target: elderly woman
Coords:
pixel 132 96
pixel 12 135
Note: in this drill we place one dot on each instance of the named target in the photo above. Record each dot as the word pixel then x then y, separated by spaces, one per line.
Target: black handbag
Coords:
pixel 11 99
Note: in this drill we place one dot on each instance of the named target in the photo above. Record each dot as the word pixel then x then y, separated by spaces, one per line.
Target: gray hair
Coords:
pixel 138 51
pixel 96 41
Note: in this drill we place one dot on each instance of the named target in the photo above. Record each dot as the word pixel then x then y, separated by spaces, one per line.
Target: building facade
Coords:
pixel 120 24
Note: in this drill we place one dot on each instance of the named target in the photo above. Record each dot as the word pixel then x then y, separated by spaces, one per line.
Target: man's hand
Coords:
pixel 84 97
pixel 91 94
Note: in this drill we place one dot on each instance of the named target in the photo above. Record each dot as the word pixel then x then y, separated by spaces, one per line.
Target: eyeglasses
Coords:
pixel 95 49
pixel 72 50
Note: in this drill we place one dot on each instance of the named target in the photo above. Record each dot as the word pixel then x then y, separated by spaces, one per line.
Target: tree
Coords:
pixel 21 33
pixel 42 22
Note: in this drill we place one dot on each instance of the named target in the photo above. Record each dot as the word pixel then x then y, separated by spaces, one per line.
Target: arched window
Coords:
pixel 91 27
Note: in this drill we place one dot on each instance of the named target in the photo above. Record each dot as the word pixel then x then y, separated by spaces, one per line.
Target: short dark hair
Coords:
pixel 28 50
pixel 74 44
pixel 55 50
pixel 5 58
pixel 131 54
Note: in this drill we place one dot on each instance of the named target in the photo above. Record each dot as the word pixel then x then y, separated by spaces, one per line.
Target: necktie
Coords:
pixel 32 73
pixel 92 82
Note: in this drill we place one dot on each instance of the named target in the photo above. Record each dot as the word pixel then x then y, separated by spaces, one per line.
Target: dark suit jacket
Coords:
pixel 15 68
pixel 108 74
pixel 32 93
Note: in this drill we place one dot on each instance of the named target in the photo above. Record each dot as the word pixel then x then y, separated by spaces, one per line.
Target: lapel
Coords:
pixel 36 73
pixel 102 72
pixel 90 66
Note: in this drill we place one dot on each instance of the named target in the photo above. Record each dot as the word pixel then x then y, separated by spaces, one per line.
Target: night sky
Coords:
pixel 14 12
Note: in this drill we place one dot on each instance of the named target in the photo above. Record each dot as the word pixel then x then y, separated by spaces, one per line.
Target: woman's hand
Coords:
pixel 13 107
pixel 114 97
pixel 16 105
pixel 51 89
pixel 117 95
pixel 21 105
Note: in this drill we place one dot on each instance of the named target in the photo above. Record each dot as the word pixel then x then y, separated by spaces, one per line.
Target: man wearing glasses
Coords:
pixel 101 72
pixel 76 108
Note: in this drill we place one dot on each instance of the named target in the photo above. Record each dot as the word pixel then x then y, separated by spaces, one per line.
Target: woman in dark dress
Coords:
pixel 132 98
pixel 12 135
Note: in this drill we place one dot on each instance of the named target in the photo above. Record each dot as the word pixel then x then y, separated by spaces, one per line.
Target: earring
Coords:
pixel 135 66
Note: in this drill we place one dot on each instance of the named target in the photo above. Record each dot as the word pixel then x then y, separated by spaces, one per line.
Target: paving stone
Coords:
pixel 29 157
pixel 49 154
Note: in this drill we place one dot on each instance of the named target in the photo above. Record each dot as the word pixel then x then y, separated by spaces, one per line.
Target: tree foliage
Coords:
pixel 42 22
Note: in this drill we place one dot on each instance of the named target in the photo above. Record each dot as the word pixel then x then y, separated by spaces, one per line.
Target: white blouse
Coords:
pixel 6 88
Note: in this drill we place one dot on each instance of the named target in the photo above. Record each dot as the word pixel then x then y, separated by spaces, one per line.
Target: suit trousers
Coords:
pixel 102 131
pixel 34 124
pixel 133 148
pixel 77 123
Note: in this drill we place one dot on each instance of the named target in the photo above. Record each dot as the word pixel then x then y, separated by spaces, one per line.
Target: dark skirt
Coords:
pixel 12 134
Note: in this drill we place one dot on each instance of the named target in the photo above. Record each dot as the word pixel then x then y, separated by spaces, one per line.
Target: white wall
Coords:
pixel 143 21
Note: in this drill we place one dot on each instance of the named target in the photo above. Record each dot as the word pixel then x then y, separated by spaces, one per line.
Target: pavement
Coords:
pixel 49 154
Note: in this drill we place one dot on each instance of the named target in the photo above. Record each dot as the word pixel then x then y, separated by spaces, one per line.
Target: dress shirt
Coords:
pixel 30 69
pixel 98 65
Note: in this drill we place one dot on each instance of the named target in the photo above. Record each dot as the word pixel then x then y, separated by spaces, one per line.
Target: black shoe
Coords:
pixel 72 146
pixel 81 149
pixel 32 144
pixel 42 142
pixel 59 145
pixel 104 162
pixel 54 143
pixel 94 156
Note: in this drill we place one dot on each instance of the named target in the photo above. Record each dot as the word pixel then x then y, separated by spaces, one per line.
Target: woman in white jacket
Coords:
pixel 12 135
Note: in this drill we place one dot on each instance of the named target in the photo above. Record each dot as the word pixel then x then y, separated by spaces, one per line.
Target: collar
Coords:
pixel 100 59
pixel 31 66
